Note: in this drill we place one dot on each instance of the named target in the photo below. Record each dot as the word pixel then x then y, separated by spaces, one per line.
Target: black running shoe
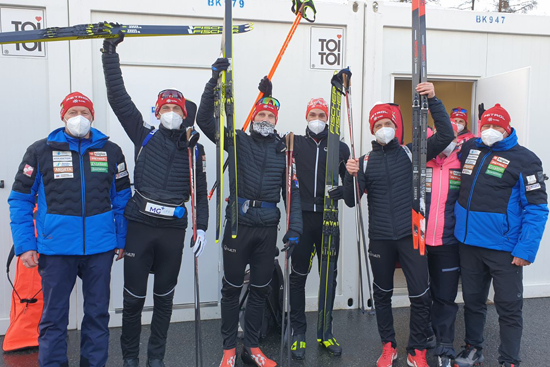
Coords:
pixel 331 345
pixel 131 362
pixel 443 361
pixel 298 348
pixel 469 357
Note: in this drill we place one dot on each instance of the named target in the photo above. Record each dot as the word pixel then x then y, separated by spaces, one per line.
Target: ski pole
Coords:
pixel 192 151
pixel 357 195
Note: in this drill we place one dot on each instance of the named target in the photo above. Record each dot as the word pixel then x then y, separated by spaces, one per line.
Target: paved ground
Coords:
pixel 356 333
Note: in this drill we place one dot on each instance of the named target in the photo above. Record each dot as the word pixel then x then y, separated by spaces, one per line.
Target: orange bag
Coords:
pixel 27 304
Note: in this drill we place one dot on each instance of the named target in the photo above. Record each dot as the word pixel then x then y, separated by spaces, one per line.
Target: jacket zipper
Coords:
pixel 315 181
pixel 472 192
pixel 438 200
pixel 390 192
pixel 83 184
pixel 262 175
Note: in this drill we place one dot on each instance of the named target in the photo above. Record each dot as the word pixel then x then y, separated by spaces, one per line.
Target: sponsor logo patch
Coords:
pixel 93 158
pixel 121 174
pixel 121 167
pixel 62 158
pixel 63 175
pixel 470 161
pixel 99 164
pixel 466 171
pixel 533 187
pixel 63 164
pixel 531 179
pixel 454 180
pixel 28 170
pixel 57 153
pixel 63 169
pixel 100 169
pixel 159 210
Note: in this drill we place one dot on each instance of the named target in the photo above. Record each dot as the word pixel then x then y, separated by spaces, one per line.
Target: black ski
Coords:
pixel 112 30
pixel 420 124
pixel 331 227
pixel 229 104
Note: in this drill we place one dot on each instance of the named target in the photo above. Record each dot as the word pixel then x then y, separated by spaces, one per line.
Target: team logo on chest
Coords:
pixel 497 166
pixel 454 179
pixel 99 162
pixel 62 164
pixel 471 161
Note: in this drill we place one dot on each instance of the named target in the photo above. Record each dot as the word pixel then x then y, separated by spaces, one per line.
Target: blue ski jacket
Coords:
pixel 82 187
pixel 502 204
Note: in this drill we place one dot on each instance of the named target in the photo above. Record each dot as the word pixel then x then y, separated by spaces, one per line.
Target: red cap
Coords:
pixel 460 113
pixel 496 116
pixel 382 111
pixel 265 107
pixel 76 99
pixel 454 125
pixel 170 96
pixel 319 103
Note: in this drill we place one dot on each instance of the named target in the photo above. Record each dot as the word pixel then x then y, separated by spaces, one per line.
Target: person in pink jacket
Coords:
pixel 460 115
pixel 442 188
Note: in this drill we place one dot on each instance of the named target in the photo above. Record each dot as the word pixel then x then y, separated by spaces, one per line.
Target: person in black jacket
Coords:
pixel 387 180
pixel 261 165
pixel 310 151
pixel 157 216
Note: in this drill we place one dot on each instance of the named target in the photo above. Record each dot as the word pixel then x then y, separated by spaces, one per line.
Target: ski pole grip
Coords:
pixel 291 138
pixel 347 81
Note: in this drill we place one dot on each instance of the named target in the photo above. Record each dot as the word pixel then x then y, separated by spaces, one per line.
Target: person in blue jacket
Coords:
pixel 80 180
pixel 500 214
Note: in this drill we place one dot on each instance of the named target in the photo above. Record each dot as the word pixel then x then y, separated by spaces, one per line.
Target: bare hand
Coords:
pixel 120 253
pixel 426 89
pixel 520 262
pixel 352 166
pixel 29 259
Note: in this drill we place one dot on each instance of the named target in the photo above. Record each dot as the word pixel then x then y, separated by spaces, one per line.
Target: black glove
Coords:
pixel 192 138
pixel 309 8
pixel 336 193
pixel 290 240
pixel 480 110
pixel 110 44
pixel 265 86
pixel 338 79
pixel 218 66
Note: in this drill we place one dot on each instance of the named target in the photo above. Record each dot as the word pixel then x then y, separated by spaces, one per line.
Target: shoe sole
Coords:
pixel 470 365
pixel 393 360
pixel 336 354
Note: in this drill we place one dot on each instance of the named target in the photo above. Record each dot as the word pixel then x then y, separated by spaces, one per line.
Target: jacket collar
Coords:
pixel 59 139
pixel 318 137
pixel 505 144
pixel 394 144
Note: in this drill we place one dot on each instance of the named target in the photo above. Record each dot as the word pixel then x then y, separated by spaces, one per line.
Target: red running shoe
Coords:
pixel 389 354
pixel 418 359
pixel 255 357
pixel 229 357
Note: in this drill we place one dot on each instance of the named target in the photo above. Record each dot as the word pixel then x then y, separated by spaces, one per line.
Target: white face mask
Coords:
pixel 460 127
pixel 491 136
pixel 450 148
pixel 316 126
pixel 385 134
pixel 79 126
pixel 171 120
pixel 263 128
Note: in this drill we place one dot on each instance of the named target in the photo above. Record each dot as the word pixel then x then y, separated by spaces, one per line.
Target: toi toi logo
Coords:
pixel 331 51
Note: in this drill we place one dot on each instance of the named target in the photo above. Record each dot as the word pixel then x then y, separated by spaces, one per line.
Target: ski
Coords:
pixel 301 13
pixel 112 30
pixel 193 151
pixel 420 124
pixel 290 176
pixel 331 228
pixel 229 104
pixel 360 236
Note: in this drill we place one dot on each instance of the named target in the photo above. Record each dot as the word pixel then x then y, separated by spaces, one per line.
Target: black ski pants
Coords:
pixel 444 265
pixel 149 249
pixel 302 259
pixel 255 246
pixel 478 267
pixel 383 255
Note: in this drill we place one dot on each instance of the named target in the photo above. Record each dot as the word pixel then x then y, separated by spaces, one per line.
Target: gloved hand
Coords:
pixel 265 86
pixel 290 240
pixel 199 245
pixel 480 110
pixel 218 66
pixel 336 193
pixel 192 137
pixel 338 79
pixel 110 44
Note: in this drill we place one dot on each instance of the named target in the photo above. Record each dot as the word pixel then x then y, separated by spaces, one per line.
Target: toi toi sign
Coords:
pixel 327 48
pixel 22 19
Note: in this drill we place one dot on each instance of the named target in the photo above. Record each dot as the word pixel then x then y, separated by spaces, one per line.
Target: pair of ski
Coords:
pixel 420 125
pixel 113 30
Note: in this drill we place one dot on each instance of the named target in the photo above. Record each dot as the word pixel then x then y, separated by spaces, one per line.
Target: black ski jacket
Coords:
pixel 310 153
pixel 261 169
pixel 161 173
pixel 387 179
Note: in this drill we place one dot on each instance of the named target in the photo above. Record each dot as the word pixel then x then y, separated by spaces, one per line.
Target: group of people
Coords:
pixel 486 212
